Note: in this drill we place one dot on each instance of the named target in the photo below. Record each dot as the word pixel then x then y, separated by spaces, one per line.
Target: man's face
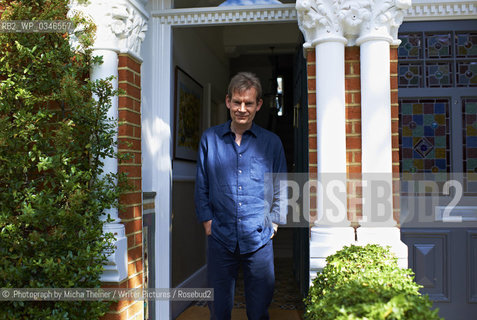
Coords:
pixel 243 106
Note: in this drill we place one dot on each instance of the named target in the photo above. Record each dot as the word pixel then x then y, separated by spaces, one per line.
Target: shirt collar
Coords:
pixel 226 129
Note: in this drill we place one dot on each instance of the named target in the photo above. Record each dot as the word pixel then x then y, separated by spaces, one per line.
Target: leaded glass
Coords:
pixel 424 136
pixel 466 74
pixel 469 117
pixel 466 43
pixel 438 45
pixel 410 47
pixel 439 74
pixel 410 75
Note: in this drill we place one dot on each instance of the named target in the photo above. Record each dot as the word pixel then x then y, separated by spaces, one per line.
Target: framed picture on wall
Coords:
pixel 187 112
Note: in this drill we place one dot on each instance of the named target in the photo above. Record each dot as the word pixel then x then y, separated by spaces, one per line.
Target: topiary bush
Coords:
pixel 53 191
pixel 366 283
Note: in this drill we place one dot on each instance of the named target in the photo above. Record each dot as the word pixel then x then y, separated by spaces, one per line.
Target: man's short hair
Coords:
pixel 243 81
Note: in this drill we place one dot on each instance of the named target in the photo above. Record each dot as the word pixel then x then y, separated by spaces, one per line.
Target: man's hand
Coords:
pixel 275 229
pixel 207 227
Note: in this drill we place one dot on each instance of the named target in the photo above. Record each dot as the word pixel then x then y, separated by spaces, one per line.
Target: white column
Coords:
pixel 332 229
pixel 319 23
pixel 376 34
pixel 376 133
pixel 121 26
pixel 115 269
pixel 377 225
pixel 108 68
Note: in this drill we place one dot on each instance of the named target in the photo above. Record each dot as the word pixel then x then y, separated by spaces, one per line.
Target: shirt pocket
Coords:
pixel 258 168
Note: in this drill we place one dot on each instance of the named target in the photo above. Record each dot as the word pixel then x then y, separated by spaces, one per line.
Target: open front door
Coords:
pixel 301 241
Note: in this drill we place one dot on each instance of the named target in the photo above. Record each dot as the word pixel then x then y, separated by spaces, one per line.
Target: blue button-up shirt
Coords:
pixel 233 187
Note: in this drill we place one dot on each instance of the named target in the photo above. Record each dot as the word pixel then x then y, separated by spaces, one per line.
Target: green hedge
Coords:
pixel 366 283
pixel 53 190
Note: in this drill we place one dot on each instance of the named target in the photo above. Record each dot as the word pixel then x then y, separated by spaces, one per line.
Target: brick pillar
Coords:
pixel 371 118
pixel 353 133
pixel 129 142
pixel 395 132
pixel 312 138
pixel 353 130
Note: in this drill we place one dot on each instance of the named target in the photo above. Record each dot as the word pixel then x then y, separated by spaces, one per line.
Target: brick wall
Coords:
pixel 395 131
pixel 312 137
pixel 353 130
pixel 129 138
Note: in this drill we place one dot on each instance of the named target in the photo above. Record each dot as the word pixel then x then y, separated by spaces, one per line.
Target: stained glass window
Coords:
pixel 466 74
pixel 466 43
pixel 410 47
pixel 410 75
pixel 469 117
pixel 437 79
pixel 438 45
pixel 439 74
pixel 437 60
pixel 424 135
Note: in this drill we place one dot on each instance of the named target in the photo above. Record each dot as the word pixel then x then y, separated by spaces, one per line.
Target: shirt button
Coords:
pixel 240 187
pixel 240 220
pixel 240 204
pixel 240 171
pixel 240 155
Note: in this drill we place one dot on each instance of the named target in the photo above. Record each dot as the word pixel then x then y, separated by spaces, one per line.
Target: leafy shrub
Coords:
pixel 366 283
pixel 53 191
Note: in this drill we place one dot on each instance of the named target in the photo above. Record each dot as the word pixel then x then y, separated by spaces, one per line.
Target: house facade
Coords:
pixel 375 99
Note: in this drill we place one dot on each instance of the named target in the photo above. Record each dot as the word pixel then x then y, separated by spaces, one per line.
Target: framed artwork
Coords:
pixel 187 112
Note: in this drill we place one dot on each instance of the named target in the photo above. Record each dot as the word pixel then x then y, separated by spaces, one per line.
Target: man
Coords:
pixel 237 202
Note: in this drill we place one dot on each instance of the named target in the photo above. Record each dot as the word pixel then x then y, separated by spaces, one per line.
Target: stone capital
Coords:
pixel 384 21
pixel 121 24
pixel 350 21
pixel 318 21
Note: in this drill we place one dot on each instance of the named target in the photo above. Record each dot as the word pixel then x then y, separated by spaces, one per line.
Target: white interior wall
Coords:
pixel 200 53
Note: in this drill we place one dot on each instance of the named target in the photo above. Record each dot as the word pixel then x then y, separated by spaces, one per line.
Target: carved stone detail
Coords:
pixel 352 14
pixel 211 16
pixel 320 20
pixel 442 10
pixel 121 26
pixel 129 26
pixel 384 21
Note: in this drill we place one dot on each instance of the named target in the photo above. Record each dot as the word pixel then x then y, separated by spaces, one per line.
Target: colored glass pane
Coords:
pixel 469 117
pixel 410 75
pixel 438 45
pixel 410 47
pixel 424 135
pixel 467 74
pixel 439 74
pixel 466 44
